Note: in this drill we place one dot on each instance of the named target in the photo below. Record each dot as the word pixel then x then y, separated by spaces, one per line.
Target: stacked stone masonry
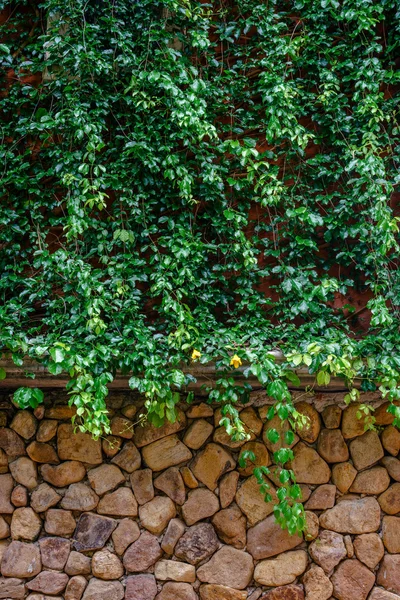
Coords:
pixel 168 514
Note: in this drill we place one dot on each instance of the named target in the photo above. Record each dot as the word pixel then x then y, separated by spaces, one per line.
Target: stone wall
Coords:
pixel 169 514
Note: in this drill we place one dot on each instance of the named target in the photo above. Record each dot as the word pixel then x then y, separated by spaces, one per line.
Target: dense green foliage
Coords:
pixel 201 177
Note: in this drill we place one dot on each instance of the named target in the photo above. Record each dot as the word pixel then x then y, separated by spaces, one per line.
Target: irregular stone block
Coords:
pixel 352 580
pixel 11 443
pixel 332 415
pixel 78 564
pixel 198 543
pixel 230 525
pixel 390 500
pixel 167 452
pixel 281 570
pixel 268 539
pixel 128 458
pixel 19 496
pixel 55 552
pixel 156 514
pixel 121 503
pixel 142 554
pixel 11 587
pixel 25 524
pixel 106 565
pixel 173 533
pixel 369 549
pixel 42 453
pixel 380 594
pixel 227 488
pixel 105 478
pixel 75 588
pixel 317 585
pixel 25 424
pixel 189 479
pixel 77 446
pixel 211 463
pixel 353 516
pixel 172 570
pixel 141 587
pixel 366 450
pixel 201 503
pixel 44 497
pixel 393 467
pixel 148 433
pixel 332 447
pixel 323 497
pixel 308 466
pixel 59 522
pixel 171 483
pixel 391 534
pixel 142 485
pixel 371 482
pixel 228 566
pixel 261 458
pixel 80 497
pixel 103 590
pixel 391 440
pixel 21 560
pixel 177 591
pixel 47 430
pixel 122 427
pixel 211 591
pixel 352 425
pixel 197 411
pixel 92 532
pixel 282 427
pixel 6 486
pixel 48 582
pixel 328 550
pixel 343 476
pixel 312 526
pixel 310 430
pixel 389 573
pixel 62 475
pixel 197 434
pixel 287 592
pixel 111 445
pixel 125 534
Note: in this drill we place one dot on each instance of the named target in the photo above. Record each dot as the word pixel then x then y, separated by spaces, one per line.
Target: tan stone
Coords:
pixel 44 497
pixel 106 565
pixel 64 474
pixel 54 552
pixel 78 564
pixel 352 579
pixel 188 478
pixel 122 427
pixel 211 463
pixel 380 594
pixel 61 412
pixel 141 587
pixel 128 458
pixel 372 481
pixel 391 440
pixel 155 515
pixel 47 430
pixel 19 496
pixel 201 503
pixel 48 582
pixel 129 411
pixel 164 453
pixel 80 497
pixel 393 466
pixel 308 466
pixel 103 590
pixel 312 526
pixel 267 539
pixel 352 425
pixel 228 566
pixel 369 549
pixel 11 587
pixel 366 450
pixel 252 502
pixel 105 478
pixel 197 411
pixel 121 503
pixel 328 550
pixel 230 525
pixel 210 591
pixel 3 461
pixel 227 488
pixel 261 458
pixel 25 424
pixel 177 591
pixel 317 585
pixel 197 434
pixel 21 560
pixel 389 573
pixel 24 471
pixel 77 446
pixel 59 522
pixel 4 529
pixel 142 554
pixel 281 570
pixel 174 532
pixel 148 433
pixel 308 431
pixel 172 570
pixel 197 544
pixel 332 447
pixel 171 483
pixel 125 534
pixel 391 534
pixel 142 485
pixel 111 445
pixel 332 415
pixel 282 427
pixel 75 588
pixel 252 426
pixel 25 524
pixel 323 497
pixel 352 516
pixel 349 545
pixel 42 453
pixel 343 476
pixel 6 486
pixel 382 417
pixel 390 500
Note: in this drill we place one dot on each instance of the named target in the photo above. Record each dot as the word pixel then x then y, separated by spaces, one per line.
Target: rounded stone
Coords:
pixel 197 543
pixel 106 565
pixel 228 566
pixel 328 550
pixel 390 500
pixel 343 476
pixel 282 570
pixel 369 549
pixel 142 554
pixel 352 580
pixel 371 482
pixel 19 496
pixel 25 524
pixel 64 474
pixel 309 430
pixel 332 447
pixel 317 585
pixel 156 514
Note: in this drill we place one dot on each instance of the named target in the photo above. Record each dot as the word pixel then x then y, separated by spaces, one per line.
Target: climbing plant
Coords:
pixel 188 182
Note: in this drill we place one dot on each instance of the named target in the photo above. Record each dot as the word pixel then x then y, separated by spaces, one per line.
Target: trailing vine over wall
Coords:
pixel 201 182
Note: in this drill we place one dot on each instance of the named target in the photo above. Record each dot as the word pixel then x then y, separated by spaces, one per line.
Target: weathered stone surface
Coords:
pixel 312 526
pixel 125 534
pixel 317 585
pixel 343 476
pixel 261 457
pixel 59 522
pixel 371 482
pixel 198 543
pixel 323 497
pixel 252 426
pixel 228 566
pixel 105 478
pixel 121 503
pixel 174 532
pixel 281 427
pixel 103 590
pixel 172 570
pixel 21 560
pixel 369 549
pixel 129 411
pixel 287 592
pixel 77 446
pixel 25 524
pixel 230 525
pixel 75 588
pixel 44 497
pixel 92 532
pixel 389 573
pixel 171 483
pixel 201 503
pixel 382 417
pixel 156 514
pixel 198 411
pixel 141 587
pixel 352 580
pixel 80 497
pixel 11 443
pixel 122 427
pixel 62 412
pixel 380 594
pixel 197 434
pixel 142 485
pixel 111 445
pixel 393 466
pixel 177 591
pixel 48 582
pixel 349 545
pixel 268 539
pixel 47 430
pixel 252 502
pixel 366 450
pixel 148 433
pixel 332 447
pixel 189 479
pixel 42 453
pixel 164 453
pixel 332 415
pixel 4 529
pixel 212 591
pixel 54 552
pixel 62 475
pixel 142 554
pixel 227 488
pixel 25 424
pixel 309 430
pixel 281 570
pixel 352 425
pixel 11 588
pixel 308 466
pixel 24 471
pixel 6 486
pixel 128 458
pixel 19 496
pixel 328 550
pixel 352 516
pixel 3 461
pixel 391 534
pixel 390 500
pixel 211 463
pixel 106 565
pixel 391 440
pixel 78 564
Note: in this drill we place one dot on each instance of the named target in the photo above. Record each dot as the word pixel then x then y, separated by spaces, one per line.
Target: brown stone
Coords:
pixel 3 461
pixel 164 453
pixel 111 445
pixel 188 478
pixel 227 488
pixel 252 502
pixel 198 543
pixel 25 424
pixel 54 552
pixel 155 515
pixel 353 516
pixel 352 580
pixel 92 532
pixel 42 453
pixel 128 458
pixel 201 503
pixel 252 426
pixel 343 476
pixel 312 526
pixel 6 486
pixel 11 588
pixel 308 466
pixel 177 591
pixel 268 539
pixel 391 534
pixel 78 564
pixel 59 522
pixel 352 425
pixel 39 412
pixel 121 503
pixel 19 496
pixel 171 483
pixel 142 485
pixel 3 547
pixel 211 463
pixel 174 532
pixel 211 591
pixel 309 430
pixel 141 587
pixel 372 481
pixel 393 466
pixel 198 411
pixel 332 447
pixel 129 411
pixel 349 545
pixel 287 592
pixel 382 417
pixel 332 415
pixel 390 500
pixel 328 550
pixel 48 582
pixel 47 430
pixel 323 497
pixel 21 560
pixel 197 434
pixel 105 478
pixel 380 594
pixel 122 427
pixel 230 525
pixel 148 433
pixel 391 440
pixel 4 529
pixel 75 588
pixel 44 497
pixel 103 590
pixel 80 497
pixel 261 458
pixel 62 475
pixel 282 569
pixel 125 534
pixel 25 524
pixel 172 570
pixel 389 573
pixel 11 443
pixel 62 412
pixel 142 554
pixel 24 471
pixel 106 565
pixel 366 450
pixel 317 585
pixel 369 549
pixel 229 567
pixel 282 427
pixel 77 446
